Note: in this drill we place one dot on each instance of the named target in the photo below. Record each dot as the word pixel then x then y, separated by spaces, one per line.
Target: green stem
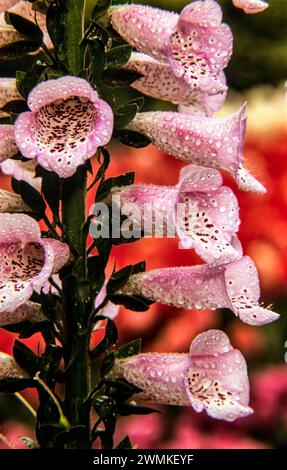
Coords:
pixel 75 293
pixel 74 31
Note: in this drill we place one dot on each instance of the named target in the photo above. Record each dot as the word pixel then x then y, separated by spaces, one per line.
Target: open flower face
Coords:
pixel 26 260
pixel 66 125
pixel 234 286
pixel 211 142
pixel 251 6
pixel 199 210
pixel 196 43
pixel 159 82
pixel 212 377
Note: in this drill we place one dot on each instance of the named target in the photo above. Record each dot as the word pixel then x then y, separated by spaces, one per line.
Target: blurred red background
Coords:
pixel 264 237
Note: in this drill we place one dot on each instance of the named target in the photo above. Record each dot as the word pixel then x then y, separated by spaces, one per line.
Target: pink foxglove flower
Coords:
pixel 9 368
pixel 19 170
pixel 8 148
pixel 26 260
pixel 66 125
pixel 211 142
pixel 196 43
pixel 234 286
pixel 203 213
pixel 251 6
pixel 159 82
pixel 212 377
pixel 8 92
pixel 30 311
pixel 11 202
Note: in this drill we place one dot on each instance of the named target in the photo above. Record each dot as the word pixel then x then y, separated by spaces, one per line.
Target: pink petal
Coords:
pixel 234 286
pixel 200 46
pixel 8 92
pixel 11 202
pixel 9 369
pixel 197 287
pixel 8 147
pixel 26 260
pixel 242 284
pixel 30 311
pixel 159 82
pixel 211 142
pixel 25 171
pixel 218 379
pixel 206 104
pixel 66 125
pixel 7 33
pixel 145 28
pixel 195 179
pixel 61 253
pixel 251 6
pixel 211 218
pixel 160 376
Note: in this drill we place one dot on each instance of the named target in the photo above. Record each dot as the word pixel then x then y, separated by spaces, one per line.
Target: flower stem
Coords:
pixel 75 291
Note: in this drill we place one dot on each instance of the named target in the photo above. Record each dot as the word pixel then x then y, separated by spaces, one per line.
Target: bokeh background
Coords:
pixel 257 73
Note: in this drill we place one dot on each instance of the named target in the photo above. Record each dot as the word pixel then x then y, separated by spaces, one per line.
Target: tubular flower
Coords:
pixel 159 82
pixel 8 148
pixel 251 6
pixel 196 43
pixel 19 170
pixel 204 212
pixel 11 202
pixel 26 260
pixel 30 311
pixel 234 286
pixel 66 125
pixel 9 368
pixel 212 142
pixel 8 92
pixel 212 377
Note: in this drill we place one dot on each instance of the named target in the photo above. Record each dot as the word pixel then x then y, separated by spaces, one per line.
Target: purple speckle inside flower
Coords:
pixel 60 125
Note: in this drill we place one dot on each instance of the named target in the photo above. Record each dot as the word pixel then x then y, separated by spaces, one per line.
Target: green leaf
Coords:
pixel 120 278
pixel 96 52
pixel 14 385
pixel 25 358
pixel 18 49
pixel 129 349
pixel 127 409
pixel 125 114
pixel 118 55
pixel 133 302
pixel 100 8
pixel 30 196
pixel 55 21
pixel 51 189
pixel 114 182
pixel 132 138
pixel 115 77
pixel 125 444
pixel 25 81
pixel 25 27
